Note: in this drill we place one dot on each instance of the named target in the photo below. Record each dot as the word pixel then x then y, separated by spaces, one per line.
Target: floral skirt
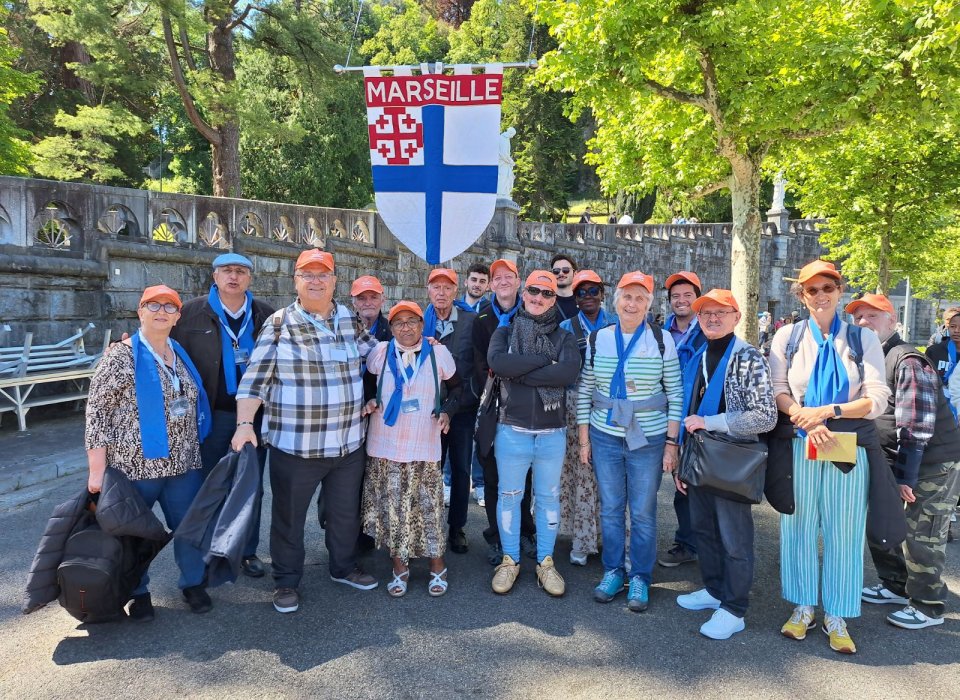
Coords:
pixel 579 497
pixel 403 507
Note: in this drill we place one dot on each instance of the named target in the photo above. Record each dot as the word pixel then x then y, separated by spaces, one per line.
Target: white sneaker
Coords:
pixel 722 625
pixel 446 496
pixel 698 600
pixel 478 496
pixel 912 619
pixel 578 558
pixel 880 594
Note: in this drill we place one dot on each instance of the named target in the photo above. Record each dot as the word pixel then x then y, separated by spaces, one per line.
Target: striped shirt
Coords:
pixel 646 374
pixel 310 382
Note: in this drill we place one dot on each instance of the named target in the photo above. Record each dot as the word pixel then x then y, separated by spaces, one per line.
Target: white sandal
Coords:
pixel 437 581
pixel 397 588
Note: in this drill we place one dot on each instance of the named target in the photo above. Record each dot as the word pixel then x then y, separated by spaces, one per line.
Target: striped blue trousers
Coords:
pixel 834 503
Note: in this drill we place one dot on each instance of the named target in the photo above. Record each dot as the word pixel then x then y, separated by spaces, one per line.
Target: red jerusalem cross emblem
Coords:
pixel 396 135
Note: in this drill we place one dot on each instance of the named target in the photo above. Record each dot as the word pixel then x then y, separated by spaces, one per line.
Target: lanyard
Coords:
pixel 172 375
pixel 319 325
pixel 247 320
pixel 410 372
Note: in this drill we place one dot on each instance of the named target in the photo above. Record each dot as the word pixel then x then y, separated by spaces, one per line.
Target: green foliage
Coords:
pixel 407 35
pixel 87 150
pixel 14 151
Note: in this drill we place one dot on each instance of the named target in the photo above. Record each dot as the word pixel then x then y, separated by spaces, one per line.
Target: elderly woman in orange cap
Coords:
pixel 403 489
pixel 147 413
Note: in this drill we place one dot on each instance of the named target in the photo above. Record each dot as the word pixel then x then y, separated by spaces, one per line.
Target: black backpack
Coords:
pixel 90 573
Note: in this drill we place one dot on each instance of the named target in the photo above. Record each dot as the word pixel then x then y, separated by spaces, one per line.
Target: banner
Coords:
pixel 434 141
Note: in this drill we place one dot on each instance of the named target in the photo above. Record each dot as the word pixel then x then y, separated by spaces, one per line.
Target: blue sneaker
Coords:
pixel 639 595
pixel 609 586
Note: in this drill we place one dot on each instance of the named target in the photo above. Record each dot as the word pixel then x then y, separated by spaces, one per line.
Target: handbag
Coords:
pixel 487 416
pixel 719 464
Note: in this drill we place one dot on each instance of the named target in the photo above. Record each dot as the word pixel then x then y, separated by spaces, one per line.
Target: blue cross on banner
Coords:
pixel 434 142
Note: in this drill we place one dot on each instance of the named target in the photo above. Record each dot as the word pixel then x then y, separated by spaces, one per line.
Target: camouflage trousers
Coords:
pixel 916 569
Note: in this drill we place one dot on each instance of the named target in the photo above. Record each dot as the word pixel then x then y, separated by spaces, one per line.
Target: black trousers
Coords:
pixel 293 481
pixel 491 494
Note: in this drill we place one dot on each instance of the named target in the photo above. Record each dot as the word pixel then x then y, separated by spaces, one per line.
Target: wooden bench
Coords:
pixel 24 368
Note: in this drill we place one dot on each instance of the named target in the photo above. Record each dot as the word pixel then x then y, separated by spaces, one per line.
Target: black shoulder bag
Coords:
pixel 729 468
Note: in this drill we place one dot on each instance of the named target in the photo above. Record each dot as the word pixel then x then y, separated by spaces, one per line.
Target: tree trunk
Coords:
pixel 226 162
pixel 75 52
pixel 745 251
pixel 226 154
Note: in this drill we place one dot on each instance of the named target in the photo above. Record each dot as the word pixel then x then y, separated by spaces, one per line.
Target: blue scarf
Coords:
pixel 461 304
pixel 601 322
pixel 400 376
pixel 710 403
pixel 618 382
pixel 153 422
pixel 952 365
pixel 504 317
pixel 829 382
pixel 430 320
pixel 244 340
pixel 690 340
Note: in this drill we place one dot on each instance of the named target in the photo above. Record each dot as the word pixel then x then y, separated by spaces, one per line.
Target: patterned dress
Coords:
pixel 579 500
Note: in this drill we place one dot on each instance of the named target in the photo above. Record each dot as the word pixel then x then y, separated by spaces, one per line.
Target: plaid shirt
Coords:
pixel 310 382
pixel 916 402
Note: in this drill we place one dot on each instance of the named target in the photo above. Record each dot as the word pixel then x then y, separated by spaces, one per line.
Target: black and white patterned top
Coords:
pixel 748 394
pixel 113 420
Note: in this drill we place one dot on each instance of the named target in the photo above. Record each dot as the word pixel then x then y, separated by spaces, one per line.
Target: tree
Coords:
pixel 697 94
pixel 889 189
pixel 14 151
pixel 407 35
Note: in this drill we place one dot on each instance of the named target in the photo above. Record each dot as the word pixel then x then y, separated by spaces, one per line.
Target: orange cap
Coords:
pixel 443 273
pixel 315 256
pixel 875 301
pixel 683 276
pixel 637 277
pixel 583 276
pixel 543 279
pixel 503 262
pixel 161 293
pixel 411 306
pixel 818 267
pixel 717 296
pixel 366 283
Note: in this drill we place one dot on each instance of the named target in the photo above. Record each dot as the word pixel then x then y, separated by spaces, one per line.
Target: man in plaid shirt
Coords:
pixel 306 371
pixel 922 440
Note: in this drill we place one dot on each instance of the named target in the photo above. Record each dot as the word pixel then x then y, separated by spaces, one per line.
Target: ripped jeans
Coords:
pixel 517 452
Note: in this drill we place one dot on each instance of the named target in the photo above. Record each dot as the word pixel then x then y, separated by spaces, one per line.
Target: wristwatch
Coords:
pixel 836 411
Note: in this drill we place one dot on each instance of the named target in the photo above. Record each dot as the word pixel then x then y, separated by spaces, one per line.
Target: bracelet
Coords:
pixel 672 441
pixel 244 422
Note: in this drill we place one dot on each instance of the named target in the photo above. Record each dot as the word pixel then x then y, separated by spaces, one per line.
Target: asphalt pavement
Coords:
pixel 469 643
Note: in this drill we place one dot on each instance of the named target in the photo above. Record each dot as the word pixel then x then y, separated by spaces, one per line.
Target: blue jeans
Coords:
pixel 175 494
pixel 518 453
pixel 213 449
pixel 628 476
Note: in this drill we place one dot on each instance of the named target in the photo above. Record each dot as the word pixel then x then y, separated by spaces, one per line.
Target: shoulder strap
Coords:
pixel 278 324
pixel 796 335
pixel 436 384
pixel 855 341
pixel 658 336
pixel 593 347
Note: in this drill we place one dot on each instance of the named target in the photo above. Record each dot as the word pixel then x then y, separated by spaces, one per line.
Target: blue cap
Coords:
pixel 232 259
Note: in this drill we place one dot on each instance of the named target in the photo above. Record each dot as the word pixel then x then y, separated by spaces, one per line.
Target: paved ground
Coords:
pixel 347 643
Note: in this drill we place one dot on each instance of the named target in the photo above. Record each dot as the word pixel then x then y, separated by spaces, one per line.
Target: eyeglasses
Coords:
pixel 310 277
pixel 536 291
pixel 588 292
pixel 814 291
pixel 155 306
pixel 406 324
pixel 715 314
pixel 561 270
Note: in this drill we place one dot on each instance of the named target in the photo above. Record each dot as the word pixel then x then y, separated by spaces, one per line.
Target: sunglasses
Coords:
pixel 588 292
pixel 155 306
pixel 561 270
pixel 536 291
pixel 814 291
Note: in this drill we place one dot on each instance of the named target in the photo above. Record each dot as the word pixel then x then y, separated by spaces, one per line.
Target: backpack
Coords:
pixel 854 340
pixel 90 573
pixel 654 328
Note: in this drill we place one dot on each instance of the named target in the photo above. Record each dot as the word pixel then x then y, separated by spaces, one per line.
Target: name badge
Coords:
pixel 631 386
pixel 410 406
pixel 338 354
pixel 241 356
pixel 180 407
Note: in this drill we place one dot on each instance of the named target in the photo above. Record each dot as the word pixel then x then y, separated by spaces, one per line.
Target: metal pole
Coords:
pixel 906 313
pixel 340 70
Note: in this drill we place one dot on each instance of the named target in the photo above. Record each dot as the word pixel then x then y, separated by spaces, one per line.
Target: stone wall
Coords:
pixel 73 253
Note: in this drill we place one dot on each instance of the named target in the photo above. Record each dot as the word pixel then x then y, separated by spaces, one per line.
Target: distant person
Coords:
pixel 625 220
pixel 585 217
pixel 146 415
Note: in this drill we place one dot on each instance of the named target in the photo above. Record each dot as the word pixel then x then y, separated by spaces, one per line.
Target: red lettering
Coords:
pixel 418 91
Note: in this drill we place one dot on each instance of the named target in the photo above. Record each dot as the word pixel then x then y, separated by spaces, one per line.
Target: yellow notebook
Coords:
pixel 845 451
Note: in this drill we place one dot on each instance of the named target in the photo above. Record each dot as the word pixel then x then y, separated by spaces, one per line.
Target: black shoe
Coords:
pixel 495 554
pixel 365 543
pixel 528 546
pixel 252 567
pixel 141 609
pixel 197 599
pixel 457 541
